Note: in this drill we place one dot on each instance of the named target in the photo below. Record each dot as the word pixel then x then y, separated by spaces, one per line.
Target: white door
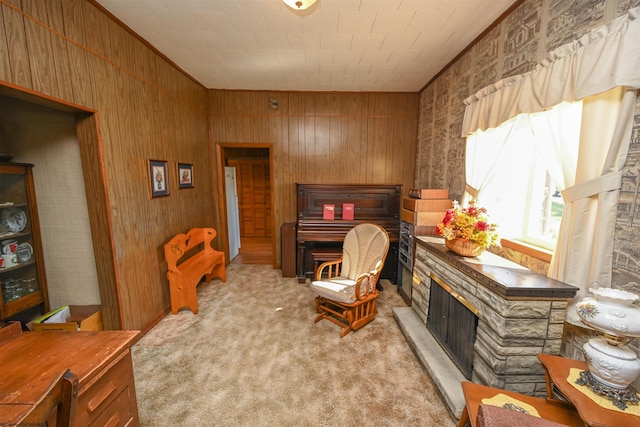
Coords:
pixel 233 215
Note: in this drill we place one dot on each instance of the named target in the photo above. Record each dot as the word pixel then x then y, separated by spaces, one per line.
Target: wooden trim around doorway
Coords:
pixel 221 158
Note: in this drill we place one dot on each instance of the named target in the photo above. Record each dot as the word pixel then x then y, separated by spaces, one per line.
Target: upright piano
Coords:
pixel 375 203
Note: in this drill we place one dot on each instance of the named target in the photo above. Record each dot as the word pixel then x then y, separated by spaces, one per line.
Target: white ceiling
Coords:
pixel 336 45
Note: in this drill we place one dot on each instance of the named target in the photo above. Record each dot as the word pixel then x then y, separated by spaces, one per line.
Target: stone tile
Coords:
pixel 505 350
pixel 510 342
pixel 514 308
pixel 554 331
pixel 496 362
pixel 524 388
pixel 523 365
pixel 516 328
pixel 557 315
pixel 552 346
pixel 484 374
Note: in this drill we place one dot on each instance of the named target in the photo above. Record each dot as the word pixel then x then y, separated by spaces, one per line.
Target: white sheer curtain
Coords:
pixel 484 153
pixel 557 143
pixel 606 58
pixel 500 161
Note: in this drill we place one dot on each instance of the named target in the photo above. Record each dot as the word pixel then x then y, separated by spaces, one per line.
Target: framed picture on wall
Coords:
pixel 185 175
pixel 158 178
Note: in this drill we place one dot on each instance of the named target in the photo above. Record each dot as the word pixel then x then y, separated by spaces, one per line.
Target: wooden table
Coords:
pixel 557 371
pixel 554 411
pixel 30 361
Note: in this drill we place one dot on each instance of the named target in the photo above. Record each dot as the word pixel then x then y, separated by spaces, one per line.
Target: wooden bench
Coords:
pixel 200 261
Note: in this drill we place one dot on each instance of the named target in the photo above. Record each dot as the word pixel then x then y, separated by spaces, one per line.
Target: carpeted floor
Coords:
pixel 254 357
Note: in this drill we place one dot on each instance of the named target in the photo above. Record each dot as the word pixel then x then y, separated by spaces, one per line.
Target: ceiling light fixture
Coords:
pixel 299 4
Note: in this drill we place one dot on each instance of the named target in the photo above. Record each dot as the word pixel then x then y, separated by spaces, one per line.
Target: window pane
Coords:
pixel 545 211
pixel 519 170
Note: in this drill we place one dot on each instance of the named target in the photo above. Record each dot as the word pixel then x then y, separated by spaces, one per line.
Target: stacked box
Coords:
pixel 425 209
pixel 428 193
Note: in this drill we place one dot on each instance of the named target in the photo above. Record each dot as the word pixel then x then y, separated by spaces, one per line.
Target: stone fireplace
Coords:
pixel 519 315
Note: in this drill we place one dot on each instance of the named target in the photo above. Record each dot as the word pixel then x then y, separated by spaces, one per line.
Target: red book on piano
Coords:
pixel 347 211
pixel 328 212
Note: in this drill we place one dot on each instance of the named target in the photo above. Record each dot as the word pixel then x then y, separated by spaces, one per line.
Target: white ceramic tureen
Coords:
pixel 614 312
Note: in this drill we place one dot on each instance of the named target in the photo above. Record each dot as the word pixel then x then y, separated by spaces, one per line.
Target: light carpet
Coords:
pixel 253 356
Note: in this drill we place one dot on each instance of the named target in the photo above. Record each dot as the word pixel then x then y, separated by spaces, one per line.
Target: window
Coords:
pixel 518 170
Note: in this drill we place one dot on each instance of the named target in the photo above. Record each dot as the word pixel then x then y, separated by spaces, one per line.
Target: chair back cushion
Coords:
pixel 364 246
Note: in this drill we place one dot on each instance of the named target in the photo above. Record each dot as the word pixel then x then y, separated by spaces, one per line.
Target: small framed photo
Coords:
pixel 158 178
pixel 185 175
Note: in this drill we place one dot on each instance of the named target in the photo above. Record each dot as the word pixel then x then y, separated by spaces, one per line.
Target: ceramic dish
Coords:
pixel 14 219
pixel 24 251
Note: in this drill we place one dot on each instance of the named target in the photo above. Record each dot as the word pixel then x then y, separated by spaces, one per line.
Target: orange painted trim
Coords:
pixel 527 249
pixel 114 259
pixel 25 94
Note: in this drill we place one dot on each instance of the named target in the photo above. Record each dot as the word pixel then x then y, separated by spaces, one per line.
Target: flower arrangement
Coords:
pixel 470 224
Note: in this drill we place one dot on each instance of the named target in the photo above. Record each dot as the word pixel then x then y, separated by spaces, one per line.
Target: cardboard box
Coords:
pixel 421 218
pixel 427 205
pixel 81 318
pixel 425 230
pixel 429 193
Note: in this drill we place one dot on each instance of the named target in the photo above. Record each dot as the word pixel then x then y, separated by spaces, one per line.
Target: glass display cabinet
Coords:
pixel 22 276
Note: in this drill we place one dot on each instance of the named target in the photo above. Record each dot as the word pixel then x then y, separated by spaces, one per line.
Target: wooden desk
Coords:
pixel 10 415
pixel 557 371
pixel 553 411
pixel 101 360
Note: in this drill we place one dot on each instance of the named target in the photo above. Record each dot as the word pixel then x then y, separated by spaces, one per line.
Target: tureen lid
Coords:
pixel 617 294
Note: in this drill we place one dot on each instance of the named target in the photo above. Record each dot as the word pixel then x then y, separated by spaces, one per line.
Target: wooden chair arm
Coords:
pixel 369 280
pixel 333 268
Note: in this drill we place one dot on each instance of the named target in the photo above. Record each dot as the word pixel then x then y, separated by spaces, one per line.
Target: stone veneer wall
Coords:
pixel 511 333
pixel 515 46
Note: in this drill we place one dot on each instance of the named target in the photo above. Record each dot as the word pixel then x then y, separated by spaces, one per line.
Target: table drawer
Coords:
pixel 119 412
pixel 109 397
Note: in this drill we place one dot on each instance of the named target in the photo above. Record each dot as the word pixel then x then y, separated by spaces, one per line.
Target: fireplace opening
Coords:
pixel 453 322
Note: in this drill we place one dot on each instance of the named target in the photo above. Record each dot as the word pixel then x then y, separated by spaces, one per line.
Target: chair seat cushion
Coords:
pixel 338 289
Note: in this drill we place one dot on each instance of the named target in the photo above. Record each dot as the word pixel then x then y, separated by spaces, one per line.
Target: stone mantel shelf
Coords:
pixel 502 276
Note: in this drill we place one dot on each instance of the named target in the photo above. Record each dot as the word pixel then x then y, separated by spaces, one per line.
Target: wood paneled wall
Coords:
pixel 141 108
pixel 339 138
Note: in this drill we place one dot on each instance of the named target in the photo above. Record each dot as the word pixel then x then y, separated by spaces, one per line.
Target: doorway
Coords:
pixel 62 140
pixel 252 165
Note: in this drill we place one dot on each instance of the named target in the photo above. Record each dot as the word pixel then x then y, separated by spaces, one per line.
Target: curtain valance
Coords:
pixel 602 59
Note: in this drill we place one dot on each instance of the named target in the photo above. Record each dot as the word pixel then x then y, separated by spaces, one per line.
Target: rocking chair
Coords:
pixel 347 295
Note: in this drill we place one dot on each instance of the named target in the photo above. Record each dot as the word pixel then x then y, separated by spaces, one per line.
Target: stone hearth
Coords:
pixel 520 314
